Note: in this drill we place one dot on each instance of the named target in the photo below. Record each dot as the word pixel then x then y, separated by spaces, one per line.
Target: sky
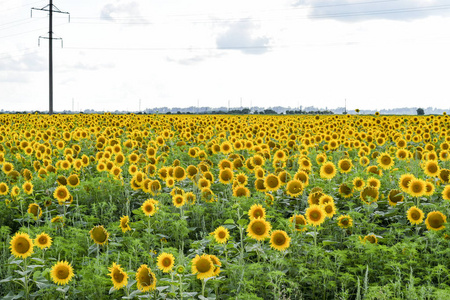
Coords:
pixel 130 55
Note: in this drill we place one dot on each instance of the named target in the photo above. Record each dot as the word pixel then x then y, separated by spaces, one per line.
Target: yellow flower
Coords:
pixel 298 222
pixel 435 220
pixel 256 211
pixel 446 193
pixel 345 221
pixel 328 170
pixel 258 229
pixel 315 215
pixel 202 266
pixel 221 235
pixel 43 240
pixel 165 262
pixel 148 207
pixel 124 226
pixel 118 276
pixel 294 188
pixel 415 215
pixel 35 210
pixel 61 273
pixel 21 245
pixel 279 240
pixel 61 194
pixel 99 235
pixel 146 279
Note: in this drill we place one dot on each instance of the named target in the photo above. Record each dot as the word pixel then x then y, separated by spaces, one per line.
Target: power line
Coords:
pixel 139 19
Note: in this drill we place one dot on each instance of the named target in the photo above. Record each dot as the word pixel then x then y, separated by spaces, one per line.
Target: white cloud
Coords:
pixel 240 36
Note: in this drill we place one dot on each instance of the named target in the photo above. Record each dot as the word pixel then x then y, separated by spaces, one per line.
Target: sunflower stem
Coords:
pixel 203 287
pixel 25 260
pixel 181 288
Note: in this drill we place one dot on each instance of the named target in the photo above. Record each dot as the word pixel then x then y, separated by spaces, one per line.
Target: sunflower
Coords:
pixel 35 210
pixel 21 245
pixel 241 191
pixel 146 279
pixel 404 180
pixel 221 235
pixel 369 195
pixel 373 182
pixel 124 224
pixel 217 264
pixel 257 211
pixel 226 147
pixel 345 221
pixel 315 215
pixel 330 209
pixel 99 235
pixel 165 262
pixel 73 180
pixel 435 220
pixel 446 193
pixel 303 177
pixel 345 165
pixel 7 167
pixel 294 188
pixel 203 182
pixel 226 176
pixel 61 194
pixel 328 170
pixel 202 266
pixel 179 173
pixel 385 161
pixel 178 200
pixel 260 185
pixel 148 207
pixel 371 238
pixel 431 168
pixel 118 276
pixel 279 240
pixel 272 182
pixel 444 175
pixel 415 215
pixel 43 240
pixel 258 229
pixel 345 191
pixel 61 272
pixel 190 198
pixel 395 196
pixel 27 187
pixel 298 222
pixel 416 187
pixel 314 197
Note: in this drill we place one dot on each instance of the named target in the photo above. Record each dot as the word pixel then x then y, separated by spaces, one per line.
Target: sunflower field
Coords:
pixel 224 207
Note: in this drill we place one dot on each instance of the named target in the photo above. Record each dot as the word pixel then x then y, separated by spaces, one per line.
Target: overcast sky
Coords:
pixel 375 53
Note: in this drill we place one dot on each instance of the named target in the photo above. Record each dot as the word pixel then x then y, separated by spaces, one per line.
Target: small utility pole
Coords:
pixel 50 8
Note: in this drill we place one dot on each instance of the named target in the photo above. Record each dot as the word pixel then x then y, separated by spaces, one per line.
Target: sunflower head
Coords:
pixel 299 222
pixel 21 245
pixel 328 170
pixel 43 240
pixel 294 188
pixel 446 193
pixel 258 229
pixel 272 182
pixel 395 196
pixel 99 235
pixel 345 221
pixel 279 240
pixel 62 273
pixel 416 187
pixel 315 215
pixel 165 262
pixel 146 279
pixel 202 266
pixel 435 221
pixel 371 238
pixel 124 226
pixel 221 235
pixel 415 215
pixel 257 211
pixel 369 195
pixel 118 276
pixel 149 207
